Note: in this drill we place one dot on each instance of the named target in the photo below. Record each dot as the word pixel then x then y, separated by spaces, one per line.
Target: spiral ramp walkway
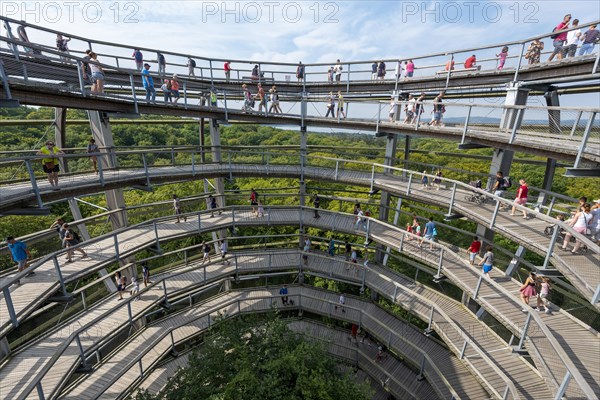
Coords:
pixel 103 351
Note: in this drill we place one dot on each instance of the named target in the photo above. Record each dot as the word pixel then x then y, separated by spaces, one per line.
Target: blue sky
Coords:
pixel 311 31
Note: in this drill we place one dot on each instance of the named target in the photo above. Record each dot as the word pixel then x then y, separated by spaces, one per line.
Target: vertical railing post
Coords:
pixel 477 287
pixel 372 177
pixel 462 351
pixel 348 80
pixel 337 165
pixel 117 256
pixel 519 62
pixel 439 275
pixel 420 377
pixel 81 352
pixel 100 170
pixel 418 121
pixel 584 139
pixel 185 99
pixel 9 305
pixel 449 70
pixel 146 169
pixel 516 125
pixel 563 386
pixel 40 391
pixel 524 331
pixel 577 119
pixel 409 183
pixel 211 72
pixel 34 185
pixel 199 222
pixel 60 276
pixel 225 105
pixel 193 163
pixel 466 127
pixel 452 197
pixel 133 94
pixel 80 76
pixel 495 214
pixel 551 246
pixel 156 236
pixel 378 119
pixel 428 331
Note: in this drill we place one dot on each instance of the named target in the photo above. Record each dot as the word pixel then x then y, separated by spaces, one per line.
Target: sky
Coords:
pixel 311 31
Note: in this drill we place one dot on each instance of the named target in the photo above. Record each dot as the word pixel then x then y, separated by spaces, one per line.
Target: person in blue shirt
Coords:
pixel 430 233
pixel 283 293
pixel 148 84
pixel 19 253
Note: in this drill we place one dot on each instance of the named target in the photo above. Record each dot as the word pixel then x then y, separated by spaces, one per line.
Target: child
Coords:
pixel 543 295
pixel 135 286
pixel 502 57
pixel 409 230
pixel 261 210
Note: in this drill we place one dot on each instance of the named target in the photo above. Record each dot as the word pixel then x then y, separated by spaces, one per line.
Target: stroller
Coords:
pixel 476 197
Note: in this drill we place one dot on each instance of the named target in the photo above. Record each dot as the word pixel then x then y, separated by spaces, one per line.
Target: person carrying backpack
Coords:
pixel 560 37
pixel 501 184
pixel 71 240
pixel 191 64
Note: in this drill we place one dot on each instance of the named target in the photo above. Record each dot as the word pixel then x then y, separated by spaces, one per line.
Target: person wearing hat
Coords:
pixel 595 226
pixel 50 162
pixel 148 84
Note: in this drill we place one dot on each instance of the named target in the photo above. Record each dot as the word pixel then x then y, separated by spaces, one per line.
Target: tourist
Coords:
pixel 97 74
pixel 570 47
pixel 419 108
pixel 139 59
pixel 425 180
pixel 487 261
pixel 316 204
pixel 206 249
pixel 502 58
pixel 330 75
pixel 212 205
pixel 148 83
pixel 430 233
pixel 528 290
pixel 20 255
pixel 582 201
pixel 175 88
pixel 274 100
pixel 437 181
pixel 581 222
pixel 534 51
pixel 408 231
pixel 213 97
pixel 248 102
pixel 340 105
pixel 283 292
pixel 474 249
pixel 353 257
pixel 260 210
pixel 330 105
pixel 260 96
pixel 393 109
pixel 71 241
pixel 359 218
pixel 177 208
pixel 255 74
pixel 224 248
pixel 227 70
pixel 438 110
pixel 374 71
pixel 191 64
pixel 471 62
pixel 348 250
pixel 356 208
pixel 331 247
pixel 162 64
pixel 595 228
pixel 409 109
pixel 61 45
pixel 559 37
pixel 381 71
pixel 499 187
pixel 24 38
pixel 354 332
pixel 409 68
pixel 398 72
pixel 305 251
pixel 86 73
pixel 589 40
pixel 450 65
pixel 543 295
pixel 92 149
pixel 300 72
pixel 166 88
pixel 338 71
pixel 135 286
pixel 145 273
pixel 50 162
pixel 521 198
pixel 342 301
pixel 120 286
pixel 253 200
pixel 58 226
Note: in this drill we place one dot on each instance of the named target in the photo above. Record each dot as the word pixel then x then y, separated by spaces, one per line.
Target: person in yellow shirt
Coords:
pixel 340 107
pixel 50 163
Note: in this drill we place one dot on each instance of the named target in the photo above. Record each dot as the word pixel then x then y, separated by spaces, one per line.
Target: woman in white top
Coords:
pixel 97 74
pixel 580 223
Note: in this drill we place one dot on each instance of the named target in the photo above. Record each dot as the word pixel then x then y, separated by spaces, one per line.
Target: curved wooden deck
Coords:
pixel 582 270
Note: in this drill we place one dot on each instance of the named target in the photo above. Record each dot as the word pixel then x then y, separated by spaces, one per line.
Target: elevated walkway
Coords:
pixel 581 269
pixel 499 297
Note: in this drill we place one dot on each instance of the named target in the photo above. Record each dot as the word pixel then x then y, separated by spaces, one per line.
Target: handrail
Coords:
pixel 444 53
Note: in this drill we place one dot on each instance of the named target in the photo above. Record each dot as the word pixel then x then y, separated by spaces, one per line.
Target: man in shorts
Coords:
pixel 20 254
pixel 50 162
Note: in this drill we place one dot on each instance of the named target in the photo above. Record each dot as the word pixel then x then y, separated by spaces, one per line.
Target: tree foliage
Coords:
pixel 243 360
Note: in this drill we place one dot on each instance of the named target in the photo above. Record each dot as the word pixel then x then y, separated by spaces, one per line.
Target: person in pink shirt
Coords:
pixel 502 57
pixel 521 198
pixel 560 38
pixel 409 68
